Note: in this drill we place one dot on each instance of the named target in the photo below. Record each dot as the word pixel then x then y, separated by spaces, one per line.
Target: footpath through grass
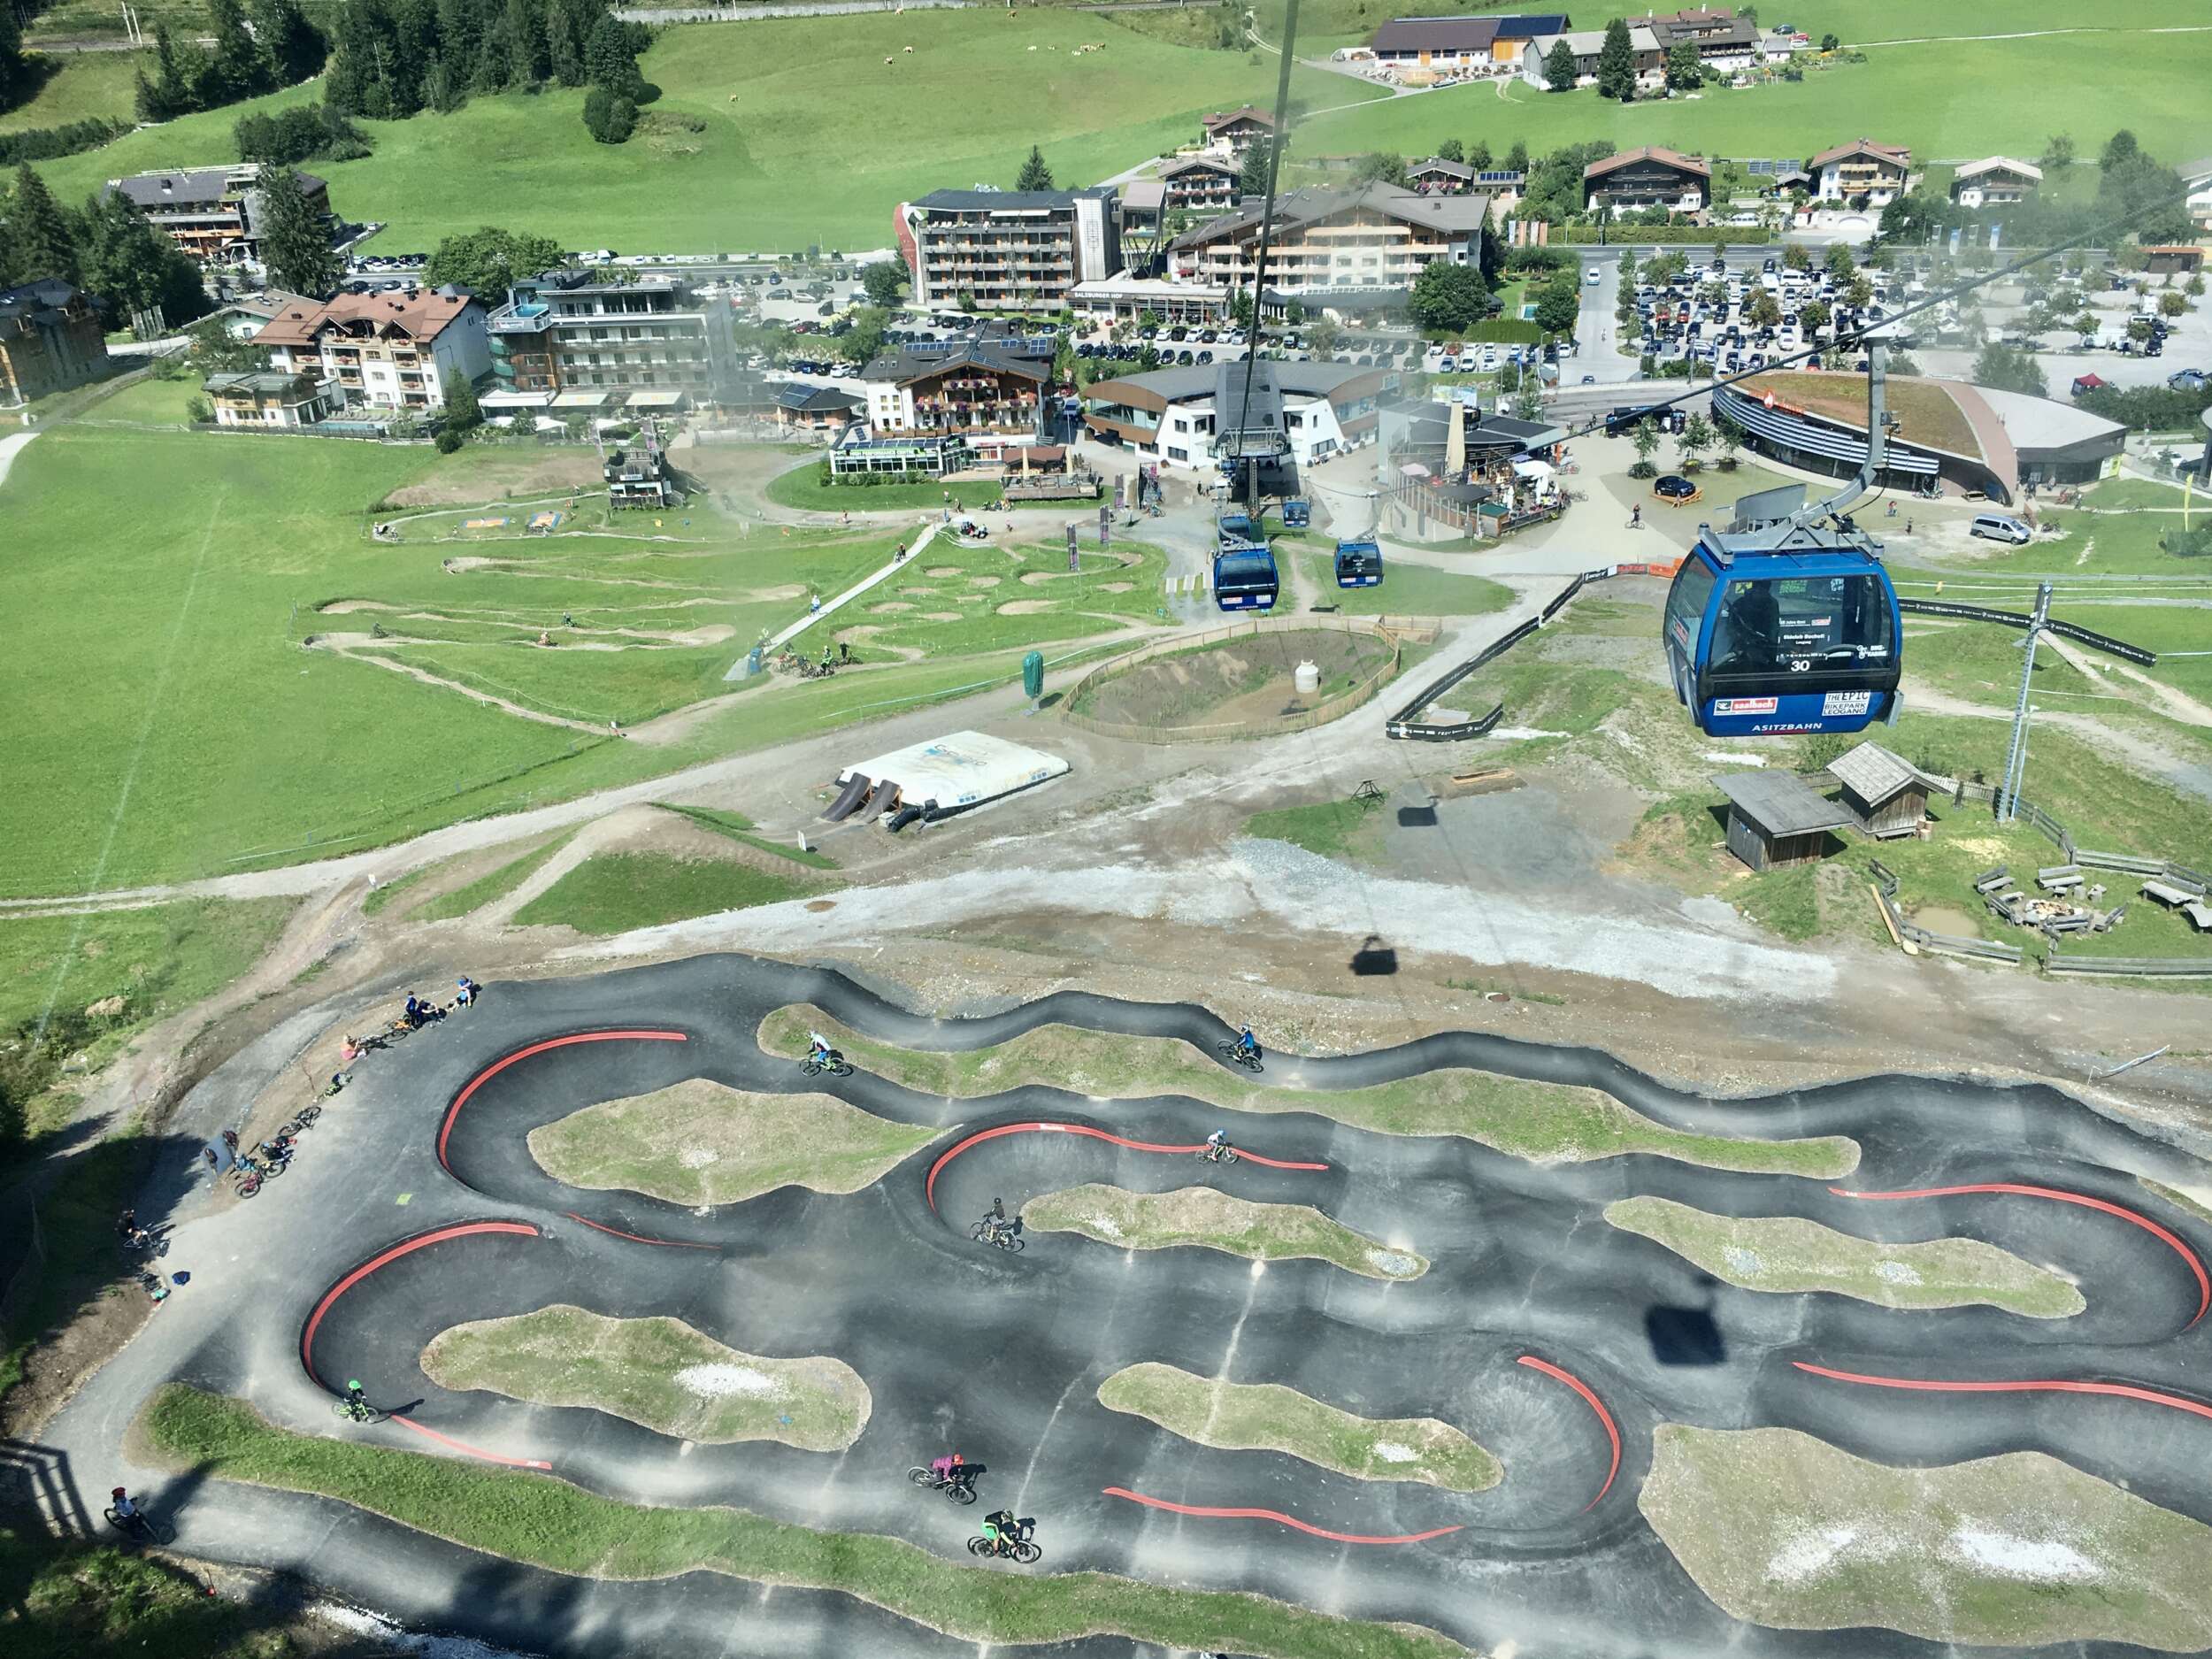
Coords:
pixel 1266 1417
pixel 659 1372
pixel 543 1522
pixel 1217 1221
pixel 1546 1122
pixel 1789 1255
pixel 703 1142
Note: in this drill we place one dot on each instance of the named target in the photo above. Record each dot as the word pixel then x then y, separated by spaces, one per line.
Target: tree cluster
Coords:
pixel 2009 369
pixel 45 143
pixel 489 261
pixel 280 48
pixel 394 58
pixel 19 76
pixel 1553 192
pixel 610 117
pixel 2147 408
pixel 109 249
pixel 1448 297
pixel 306 132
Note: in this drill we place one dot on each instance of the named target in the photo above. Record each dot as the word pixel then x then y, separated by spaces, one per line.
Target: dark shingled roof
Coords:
pixel 1780 803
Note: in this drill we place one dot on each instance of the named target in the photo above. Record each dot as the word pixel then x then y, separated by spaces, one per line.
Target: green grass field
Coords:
pixel 966 105
pixel 168 724
pixel 1934 98
pixel 612 893
pixel 1407 590
pixel 79 85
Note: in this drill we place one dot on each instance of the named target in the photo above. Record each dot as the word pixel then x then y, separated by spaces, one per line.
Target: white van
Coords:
pixel 1999 528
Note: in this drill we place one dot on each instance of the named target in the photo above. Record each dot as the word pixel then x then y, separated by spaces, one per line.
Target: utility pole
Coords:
pixel 2016 759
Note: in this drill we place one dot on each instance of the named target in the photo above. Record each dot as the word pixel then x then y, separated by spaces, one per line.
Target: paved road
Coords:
pixel 1000 1358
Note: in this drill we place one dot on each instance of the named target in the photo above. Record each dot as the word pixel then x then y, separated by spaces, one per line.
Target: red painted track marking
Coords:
pixel 2124 1391
pixel 929 1188
pixel 499 1065
pixel 1274 1515
pixel 2204 1283
pixel 1612 1432
pixel 473 1451
pixel 638 1238
pixel 406 1246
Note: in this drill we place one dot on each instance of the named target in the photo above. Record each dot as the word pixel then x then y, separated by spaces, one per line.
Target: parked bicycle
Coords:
pixel 309 1115
pixel 959 1487
pixel 833 1062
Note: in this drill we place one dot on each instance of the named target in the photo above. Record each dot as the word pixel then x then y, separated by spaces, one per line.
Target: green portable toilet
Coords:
pixel 1033 675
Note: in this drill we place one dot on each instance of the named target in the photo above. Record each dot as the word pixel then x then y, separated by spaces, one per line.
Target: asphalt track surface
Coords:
pixel 1554 1339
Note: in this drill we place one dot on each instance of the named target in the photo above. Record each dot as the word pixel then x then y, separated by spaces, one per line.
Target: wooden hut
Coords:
pixel 1883 793
pixel 1775 819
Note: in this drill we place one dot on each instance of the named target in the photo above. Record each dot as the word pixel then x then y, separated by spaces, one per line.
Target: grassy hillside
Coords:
pixel 805 134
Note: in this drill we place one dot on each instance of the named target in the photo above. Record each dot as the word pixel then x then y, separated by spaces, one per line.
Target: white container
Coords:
pixel 1306 677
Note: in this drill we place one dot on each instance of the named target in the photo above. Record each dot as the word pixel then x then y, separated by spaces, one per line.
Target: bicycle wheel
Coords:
pixel 809 1068
pixel 961 1492
pixel 979 1234
pixel 922 1477
pixel 1229 1155
pixel 840 1066
pixel 1026 1553
pixel 979 1546
pixel 249 1184
pixel 306 1119
pixel 1013 1242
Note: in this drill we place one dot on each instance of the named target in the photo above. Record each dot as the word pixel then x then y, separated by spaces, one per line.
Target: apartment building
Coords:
pixel 1341 241
pixel 266 398
pixel 213 213
pixel 1200 184
pixel 978 392
pixel 388 350
pixel 1236 130
pixel 1862 172
pixel 1009 249
pixel 572 339
pixel 50 340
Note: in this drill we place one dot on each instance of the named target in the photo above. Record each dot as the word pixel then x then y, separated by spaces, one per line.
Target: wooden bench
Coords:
pixel 1990 880
pixel 2167 893
pixel 2200 915
pixel 2060 878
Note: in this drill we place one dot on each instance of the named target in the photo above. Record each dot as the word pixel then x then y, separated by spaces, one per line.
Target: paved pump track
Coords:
pixel 1555 1341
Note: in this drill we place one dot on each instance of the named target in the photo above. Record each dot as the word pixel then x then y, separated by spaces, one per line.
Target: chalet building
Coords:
pixel 1439 177
pixel 1861 172
pixel 1170 415
pixel 1341 242
pixel 268 399
pixel 1994 181
pixel 1009 249
pixel 978 390
pixel 213 213
pixel 1489 44
pixel 1648 177
pixel 50 340
pixel 1204 184
pixel 1586 45
pixel 1723 41
pixel 390 350
pixel 1236 130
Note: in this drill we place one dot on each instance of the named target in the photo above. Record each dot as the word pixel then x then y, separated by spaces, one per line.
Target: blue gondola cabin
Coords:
pixel 1768 635
pixel 1358 564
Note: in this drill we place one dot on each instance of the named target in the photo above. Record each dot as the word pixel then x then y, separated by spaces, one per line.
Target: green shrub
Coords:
pixel 449 441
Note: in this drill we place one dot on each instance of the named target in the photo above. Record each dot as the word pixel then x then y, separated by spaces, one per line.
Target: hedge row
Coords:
pixel 1505 331
pixel 1639 236
pixel 45 143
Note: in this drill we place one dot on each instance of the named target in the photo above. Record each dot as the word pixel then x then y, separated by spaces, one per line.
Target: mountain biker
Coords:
pixel 126 1227
pixel 125 1510
pixel 817 1048
pixel 357 1401
pixel 1002 1529
pixel 1216 1144
pixel 948 1469
pixel 1248 1045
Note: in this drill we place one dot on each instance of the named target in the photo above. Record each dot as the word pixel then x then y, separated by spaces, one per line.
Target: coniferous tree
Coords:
pixel 1034 175
pixel 236 66
pixel 295 238
pixel 42 240
pixel 610 56
pixel 1617 63
pixel 1559 66
pixel 294 47
pixel 521 38
pixel 17 81
pixel 567 26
